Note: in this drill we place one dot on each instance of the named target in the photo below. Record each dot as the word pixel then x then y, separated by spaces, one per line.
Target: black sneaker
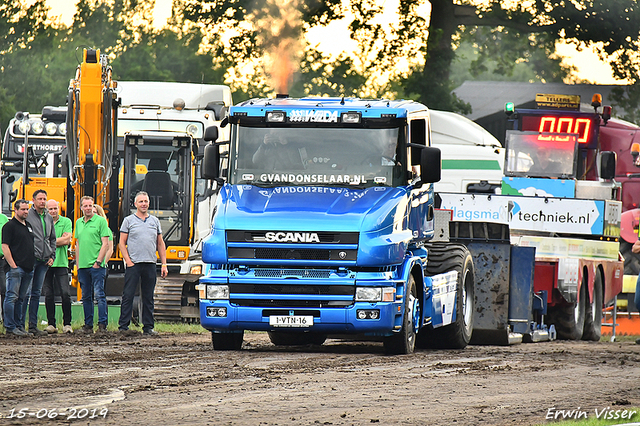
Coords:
pixel 150 332
pixel 102 328
pixel 19 333
pixel 638 342
pixel 128 332
pixel 37 332
pixel 86 329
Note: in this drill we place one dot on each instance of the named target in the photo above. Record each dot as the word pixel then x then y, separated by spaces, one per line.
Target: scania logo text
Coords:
pixel 292 237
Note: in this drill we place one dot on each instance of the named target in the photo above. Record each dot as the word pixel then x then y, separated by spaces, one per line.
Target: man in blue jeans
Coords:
pixel 44 243
pixel 17 246
pixel 92 243
pixel 140 238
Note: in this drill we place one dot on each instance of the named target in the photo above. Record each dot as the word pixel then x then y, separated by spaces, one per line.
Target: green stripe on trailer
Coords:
pixel 471 164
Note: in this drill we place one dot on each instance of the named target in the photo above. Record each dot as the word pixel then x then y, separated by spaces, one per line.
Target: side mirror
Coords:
pixel 608 165
pixel 211 134
pixel 211 160
pixel 430 165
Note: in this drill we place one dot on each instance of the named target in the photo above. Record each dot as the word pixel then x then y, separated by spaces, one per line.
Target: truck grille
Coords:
pixel 261 303
pixel 292 245
pixel 275 253
pixel 333 296
pixel 279 289
pixel 300 273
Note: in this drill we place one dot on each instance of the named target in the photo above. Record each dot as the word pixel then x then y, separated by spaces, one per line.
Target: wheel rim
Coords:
pixel 577 308
pixel 415 318
pixel 412 305
pixel 467 311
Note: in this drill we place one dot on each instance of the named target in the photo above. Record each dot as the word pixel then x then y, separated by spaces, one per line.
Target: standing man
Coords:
pixel 140 238
pixel 17 246
pixel 57 278
pixel 44 243
pixel 92 244
pixel 3 277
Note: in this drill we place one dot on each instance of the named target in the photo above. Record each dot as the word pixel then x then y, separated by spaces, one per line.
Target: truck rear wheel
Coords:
pixel 404 342
pixel 444 257
pixel 569 318
pixel 227 341
pixel 280 338
pixel 593 315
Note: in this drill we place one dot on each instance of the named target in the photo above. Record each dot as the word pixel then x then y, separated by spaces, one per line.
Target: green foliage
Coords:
pixel 506 55
pixel 627 98
pixel 321 77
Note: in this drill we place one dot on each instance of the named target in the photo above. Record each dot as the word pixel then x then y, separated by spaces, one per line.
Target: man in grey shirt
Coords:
pixel 140 238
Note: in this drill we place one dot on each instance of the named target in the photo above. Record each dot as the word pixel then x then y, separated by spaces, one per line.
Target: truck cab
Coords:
pixel 321 223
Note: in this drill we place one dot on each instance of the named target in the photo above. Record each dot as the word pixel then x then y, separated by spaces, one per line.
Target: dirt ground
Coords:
pixel 179 379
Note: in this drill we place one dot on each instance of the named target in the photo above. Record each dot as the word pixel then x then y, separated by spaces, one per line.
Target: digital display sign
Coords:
pixel 584 125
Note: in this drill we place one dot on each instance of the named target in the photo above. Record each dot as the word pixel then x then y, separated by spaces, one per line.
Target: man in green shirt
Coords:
pixel 57 278
pixel 3 278
pixel 92 244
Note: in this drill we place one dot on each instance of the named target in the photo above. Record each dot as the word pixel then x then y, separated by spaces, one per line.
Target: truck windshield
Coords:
pixel 315 156
pixel 536 154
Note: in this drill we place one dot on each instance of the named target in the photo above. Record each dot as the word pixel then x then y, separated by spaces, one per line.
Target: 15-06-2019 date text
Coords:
pixel 66 413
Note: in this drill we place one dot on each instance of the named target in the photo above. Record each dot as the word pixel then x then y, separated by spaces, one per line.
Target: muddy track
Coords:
pixel 179 379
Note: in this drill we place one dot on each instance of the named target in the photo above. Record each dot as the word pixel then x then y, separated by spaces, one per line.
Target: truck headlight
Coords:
pixel 375 294
pixel 216 291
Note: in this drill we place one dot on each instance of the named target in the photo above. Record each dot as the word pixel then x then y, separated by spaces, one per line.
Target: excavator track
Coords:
pixel 167 300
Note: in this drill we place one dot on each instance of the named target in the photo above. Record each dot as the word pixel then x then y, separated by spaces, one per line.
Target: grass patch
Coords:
pixel 619 338
pixel 592 420
pixel 160 327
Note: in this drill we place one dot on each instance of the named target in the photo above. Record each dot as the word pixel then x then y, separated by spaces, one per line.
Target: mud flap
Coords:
pixel 521 289
pixel 491 320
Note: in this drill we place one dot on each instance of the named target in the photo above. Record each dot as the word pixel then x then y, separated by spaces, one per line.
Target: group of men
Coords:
pixel 34 255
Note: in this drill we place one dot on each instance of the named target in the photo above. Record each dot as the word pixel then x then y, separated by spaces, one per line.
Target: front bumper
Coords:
pixel 325 320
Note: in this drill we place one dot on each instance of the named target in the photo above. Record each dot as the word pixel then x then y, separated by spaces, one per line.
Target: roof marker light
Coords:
pixel 276 116
pixel 351 117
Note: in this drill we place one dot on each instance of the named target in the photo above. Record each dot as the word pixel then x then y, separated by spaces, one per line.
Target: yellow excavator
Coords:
pixel 91 140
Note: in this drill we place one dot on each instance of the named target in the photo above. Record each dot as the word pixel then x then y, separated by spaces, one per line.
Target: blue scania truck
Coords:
pixel 325 226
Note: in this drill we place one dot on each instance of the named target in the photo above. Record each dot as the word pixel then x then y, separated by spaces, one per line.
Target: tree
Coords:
pixel 613 23
pixel 19 26
pixel 38 58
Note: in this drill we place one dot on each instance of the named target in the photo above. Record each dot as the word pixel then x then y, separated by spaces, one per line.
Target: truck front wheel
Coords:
pixel 404 342
pixel 227 341
pixel 444 257
pixel 569 318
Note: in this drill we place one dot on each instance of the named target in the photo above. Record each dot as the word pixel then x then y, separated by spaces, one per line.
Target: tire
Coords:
pixel 227 341
pixel 593 315
pixel 569 319
pixel 444 257
pixel 404 342
pixel 280 338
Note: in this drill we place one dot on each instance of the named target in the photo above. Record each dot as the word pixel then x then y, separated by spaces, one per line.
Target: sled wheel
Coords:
pixel 593 315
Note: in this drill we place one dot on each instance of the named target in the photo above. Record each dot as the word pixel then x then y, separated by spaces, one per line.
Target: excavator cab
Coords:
pixel 160 164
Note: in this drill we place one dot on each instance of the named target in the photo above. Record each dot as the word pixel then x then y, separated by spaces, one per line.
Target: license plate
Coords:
pixel 290 321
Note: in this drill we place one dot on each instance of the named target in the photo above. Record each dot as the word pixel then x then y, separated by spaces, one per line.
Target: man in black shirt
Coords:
pixel 17 246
